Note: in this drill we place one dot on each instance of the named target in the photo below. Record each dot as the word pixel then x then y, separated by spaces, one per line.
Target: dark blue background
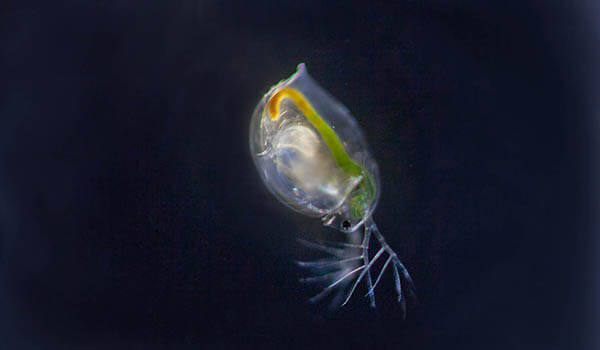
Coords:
pixel 131 215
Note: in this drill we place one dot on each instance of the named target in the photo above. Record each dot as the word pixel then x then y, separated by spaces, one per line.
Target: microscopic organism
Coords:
pixel 312 155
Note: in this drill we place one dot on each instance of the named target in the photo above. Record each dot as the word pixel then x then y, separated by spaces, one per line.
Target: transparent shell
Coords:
pixel 296 162
pixel 313 157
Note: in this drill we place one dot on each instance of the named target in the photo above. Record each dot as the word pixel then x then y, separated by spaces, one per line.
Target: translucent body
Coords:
pixel 311 154
pixel 297 164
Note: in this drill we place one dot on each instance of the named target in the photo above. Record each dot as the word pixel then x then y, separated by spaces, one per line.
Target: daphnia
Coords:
pixel 312 155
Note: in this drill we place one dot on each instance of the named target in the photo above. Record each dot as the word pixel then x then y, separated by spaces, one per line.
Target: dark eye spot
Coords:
pixel 346 225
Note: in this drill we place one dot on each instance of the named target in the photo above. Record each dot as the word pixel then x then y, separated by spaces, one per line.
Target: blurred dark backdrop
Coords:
pixel 131 215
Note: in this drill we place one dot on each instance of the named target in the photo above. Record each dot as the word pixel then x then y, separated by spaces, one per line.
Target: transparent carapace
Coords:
pixel 312 155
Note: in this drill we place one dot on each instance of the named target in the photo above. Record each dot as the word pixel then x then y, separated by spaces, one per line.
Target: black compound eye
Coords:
pixel 346 224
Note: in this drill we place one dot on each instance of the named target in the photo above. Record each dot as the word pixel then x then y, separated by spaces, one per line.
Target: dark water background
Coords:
pixel 131 215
